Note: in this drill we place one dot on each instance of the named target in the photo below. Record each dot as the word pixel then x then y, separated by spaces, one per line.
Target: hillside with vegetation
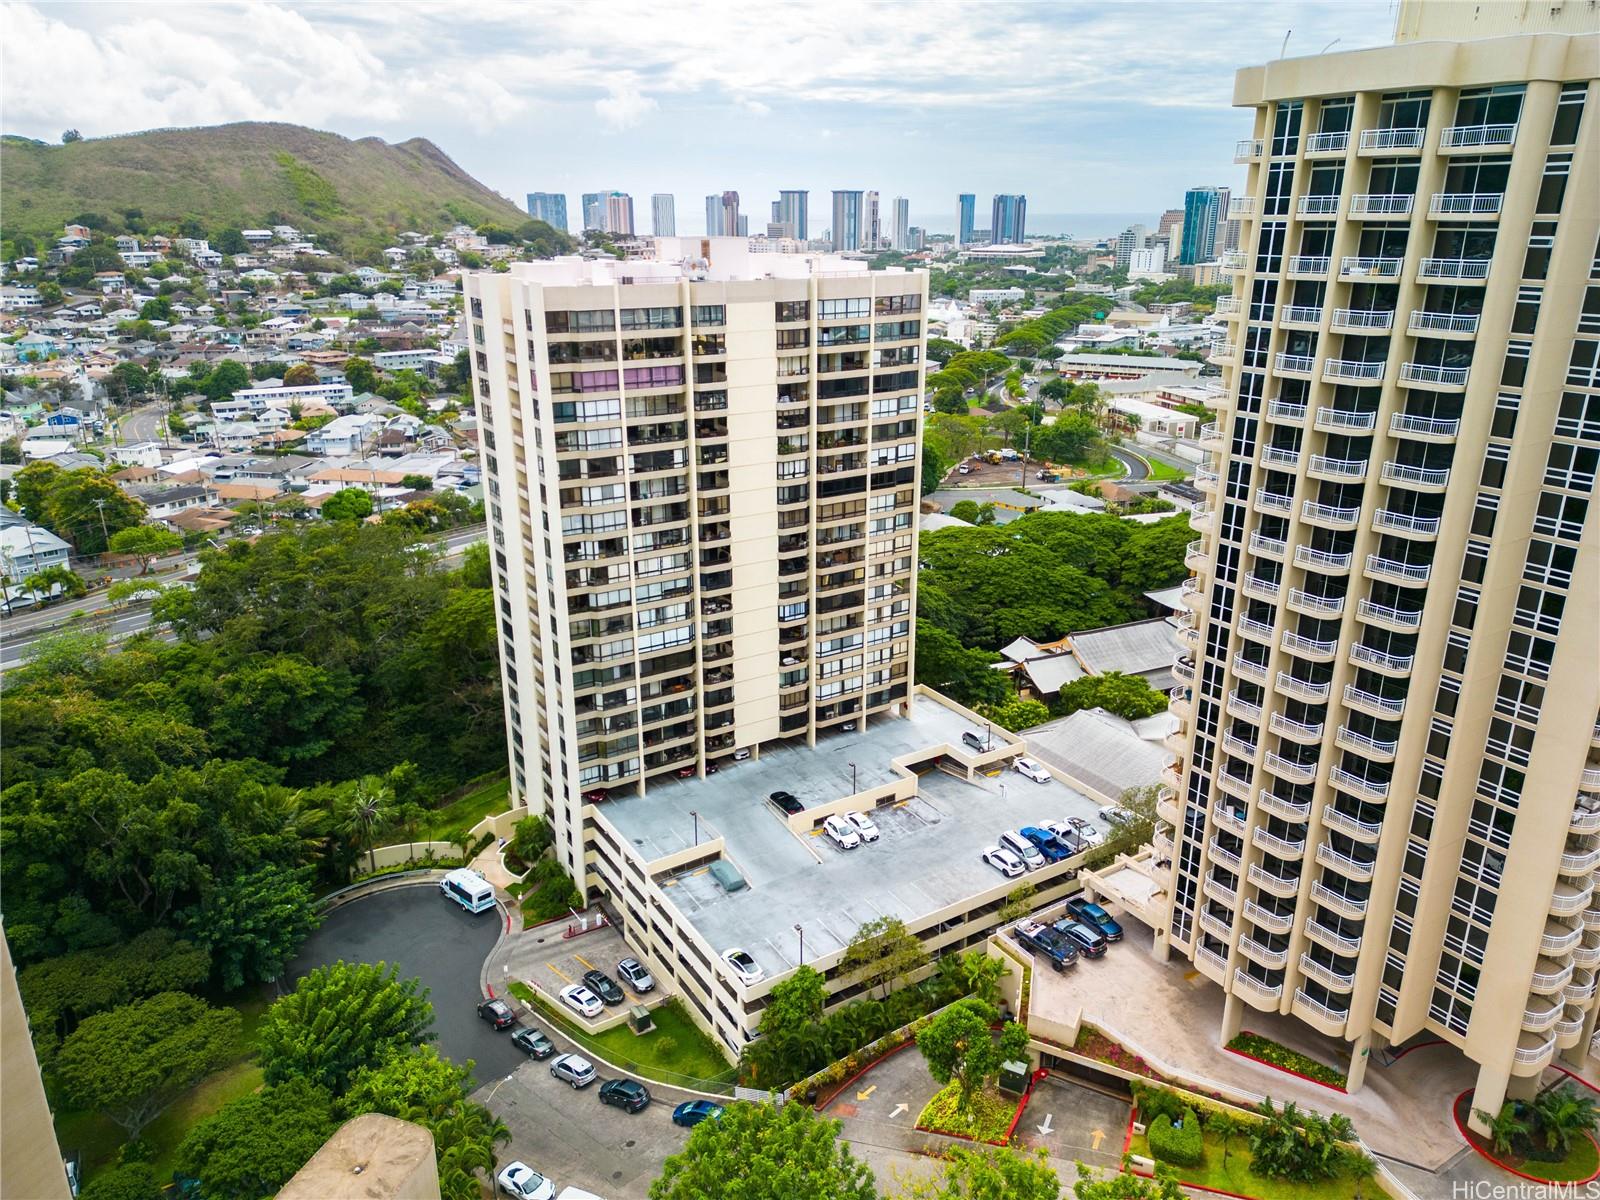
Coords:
pixel 250 174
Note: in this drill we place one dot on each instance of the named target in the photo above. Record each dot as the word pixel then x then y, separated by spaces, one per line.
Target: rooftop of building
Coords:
pixel 926 859
pixel 714 259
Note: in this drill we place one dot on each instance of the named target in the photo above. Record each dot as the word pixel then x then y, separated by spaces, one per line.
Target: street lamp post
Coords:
pixel 802 933
pixel 696 815
pixel 853 788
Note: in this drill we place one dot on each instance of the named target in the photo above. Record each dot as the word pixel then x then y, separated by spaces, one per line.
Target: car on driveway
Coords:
pixel 1067 836
pixel 1032 769
pixel 498 1013
pixel 533 1043
pixel 841 833
pixel 573 1069
pixel 1042 939
pixel 1002 860
pixel 691 1112
pixel 522 1182
pixel 1046 843
pixel 632 972
pixel 787 802
pixel 1091 943
pixel 864 826
pixel 1092 915
pixel 581 1000
pixel 627 1094
pixel 745 968
pixel 604 986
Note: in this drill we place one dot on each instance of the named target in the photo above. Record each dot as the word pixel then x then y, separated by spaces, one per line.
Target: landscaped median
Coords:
pixel 1275 1054
pixel 989 1117
pixel 1547 1140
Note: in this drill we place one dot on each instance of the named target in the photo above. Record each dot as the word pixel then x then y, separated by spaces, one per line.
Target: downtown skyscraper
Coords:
pixel 966 218
pixel 549 207
pixel 1008 220
pixel 663 215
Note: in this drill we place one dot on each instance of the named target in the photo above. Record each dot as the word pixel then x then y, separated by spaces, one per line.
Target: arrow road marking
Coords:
pixel 1045 1127
pixel 1095 1138
pixel 898 1109
pixel 868 1092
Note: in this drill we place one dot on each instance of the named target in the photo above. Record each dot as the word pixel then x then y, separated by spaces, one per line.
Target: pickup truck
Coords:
pixel 1042 939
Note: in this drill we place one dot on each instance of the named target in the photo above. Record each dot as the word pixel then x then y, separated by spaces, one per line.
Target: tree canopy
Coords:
pixel 987 1174
pixel 339 1019
pixel 252 1146
pixel 758 1152
pixel 84 505
pixel 959 1046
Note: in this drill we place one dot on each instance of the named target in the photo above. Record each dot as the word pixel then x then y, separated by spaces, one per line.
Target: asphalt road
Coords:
pixel 1137 467
pixel 438 942
pixel 142 424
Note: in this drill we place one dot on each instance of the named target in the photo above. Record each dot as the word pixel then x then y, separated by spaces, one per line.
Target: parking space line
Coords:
pixel 587 964
pixel 559 972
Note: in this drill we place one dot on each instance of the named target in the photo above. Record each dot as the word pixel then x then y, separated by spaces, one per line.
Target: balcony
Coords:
pixel 1234 260
pixel 1392 570
pixel 1343 903
pixel 1451 379
pixel 1427 479
pixel 1534 1051
pixel 1328 976
pixel 1221 854
pixel 1380 749
pixel 1381 204
pixel 1581 989
pixel 1294 772
pixel 1246 669
pixel 1362 831
pixel 1281 456
pixel 1238 746
pixel 1205 479
pixel 1274 502
pixel 1227 306
pixel 1303 732
pixel 1282 886
pixel 1265 955
pixel 1336 369
pixel 1248 150
pixel 1317 206
pixel 1260 631
pixel 1235 785
pixel 1351 868
pixel 1363 319
pixel 1323 466
pixel 1347 420
pixel 1302 689
pixel 1584 820
pixel 1194 557
pixel 1223 352
pixel 1183 670
pixel 1210 961
pixel 1282 847
pixel 1569 899
pixel 1327 143
pixel 1359 267
pixel 1289 810
pixel 1312 649
pixel 1382 660
pixel 1275 922
pixel 1476 137
pixel 1440 323
pixel 1167 806
pixel 1271 547
pixel 1405 524
pixel 1468 269
pixel 1300 365
pixel 1401 619
pixel 1436 429
pixel 1540 1014
pixel 1549 977
pixel 1258 993
pixel 1218 891
pixel 1326 935
pixel 1586 953
pixel 1303 601
pixel 1305 315
pixel 1215 925
pixel 1238 706
pixel 1241 206
pixel 1327 561
pixel 1192 595
pixel 1457 205
pixel 1318 1015
pixel 1213 437
pixel 1201 519
pixel 1234 822
pixel 1329 517
pixel 1390 141
pixel 1261 588
pixel 1374 790
pixel 1558 939
pixel 1373 704
pixel 1578 863
pixel 1309 266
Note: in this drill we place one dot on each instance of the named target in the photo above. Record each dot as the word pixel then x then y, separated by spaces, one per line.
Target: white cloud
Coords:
pixel 624 108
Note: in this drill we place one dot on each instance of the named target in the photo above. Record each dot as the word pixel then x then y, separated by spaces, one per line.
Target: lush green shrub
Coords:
pixel 131 1181
pixel 1157 1103
pixel 554 894
pixel 1285 1059
pixel 1182 1145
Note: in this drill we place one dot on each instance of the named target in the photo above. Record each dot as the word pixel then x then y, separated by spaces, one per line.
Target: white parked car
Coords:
pixel 745 968
pixel 522 1182
pixel 1021 847
pixel 1033 769
pixel 841 833
pixel 1110 813
pixel 581 1000
pixel 863 825
pixel 1007 863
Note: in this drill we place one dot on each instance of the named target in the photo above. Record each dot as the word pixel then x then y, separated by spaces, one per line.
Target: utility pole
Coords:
pixel 101 505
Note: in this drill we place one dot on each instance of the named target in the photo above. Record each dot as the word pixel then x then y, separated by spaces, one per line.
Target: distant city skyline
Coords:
pixel 1120 107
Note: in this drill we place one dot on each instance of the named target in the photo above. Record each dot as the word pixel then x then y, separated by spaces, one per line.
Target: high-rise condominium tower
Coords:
pixel 871 222
pixel 663 215
pixel 1203 209
pixel 730 215
pixel 702 497
pixel 619 214
pixel 900 229
pixel 791 210
pixel 1008 221
pixel 1386 817
pixel 1130 239
pixel 966 217
pixel 594 210
pixel 550 207
pixel 847 220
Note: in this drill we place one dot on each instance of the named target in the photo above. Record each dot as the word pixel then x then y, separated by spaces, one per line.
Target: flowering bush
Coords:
pixel 987 1119
pixel 1278 1055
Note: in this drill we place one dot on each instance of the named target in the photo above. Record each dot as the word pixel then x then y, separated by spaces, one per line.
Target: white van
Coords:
pixel 468 889
pixel 1022 848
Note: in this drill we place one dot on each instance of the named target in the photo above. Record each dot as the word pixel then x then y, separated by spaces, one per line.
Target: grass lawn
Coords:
pixel 1237 1177
pixel 1163 472
pixel 676 1052
pixel 466 812
pixel 987 1120
pixel 1579 1165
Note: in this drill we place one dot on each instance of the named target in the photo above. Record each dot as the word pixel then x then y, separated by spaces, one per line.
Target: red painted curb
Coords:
pixel 1472 1140
pixel 1332 1087
pixel 1127 1134
pixel 1010 1129
pixel 1420 1046
pixel 860 1071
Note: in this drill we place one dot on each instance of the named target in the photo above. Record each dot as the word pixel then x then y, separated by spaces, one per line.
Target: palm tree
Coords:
pixel 367 813
pixel 1562 1113
pixel 1224 1127
pixel 1505 1127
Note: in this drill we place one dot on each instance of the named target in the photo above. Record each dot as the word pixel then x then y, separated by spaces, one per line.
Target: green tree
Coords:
pixel 1018 902
pixel 1563 1113
pixel 254 923
pixel 417 483
pixel 11 451
pixel 130 1181
pixel 1127 696
pixel 347 504
pixel 933 469
pixel 340 1019
pixel 985 514
pixel 965 510
pixel 133 1061
pixel 942 350
pixel 1091 1185
pixel 282 709
pixel 1224 1126
pixel 882 954
pixel 84 505
pixel 128 379
pixel 947 666
pixel 366 811
pixel 959 1045
pixel 158 308
pixel 793 1041
pixel 987 1174
pixel 1070 438
pixel 225 379
pixel 53 581
pixel 1015 713
pixel 758 1152
pixel 361 375
pixel 530 838
pixel 145 543
pixel 300 375
pixel 253 1145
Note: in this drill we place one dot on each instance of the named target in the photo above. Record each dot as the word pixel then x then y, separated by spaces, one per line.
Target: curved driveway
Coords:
pixel 1137 467
pixel 441 944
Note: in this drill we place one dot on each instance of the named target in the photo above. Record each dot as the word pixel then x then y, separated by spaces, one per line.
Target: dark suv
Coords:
pixel 604 986
pixel 787 802
pixel 498 1013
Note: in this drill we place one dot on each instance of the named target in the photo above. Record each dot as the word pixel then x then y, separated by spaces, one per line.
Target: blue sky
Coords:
pixel 1086 107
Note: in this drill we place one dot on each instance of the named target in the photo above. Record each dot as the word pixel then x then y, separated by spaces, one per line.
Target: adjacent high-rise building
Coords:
pixel 1130 239
pixel 791 210
pixel 900 228
pixel 1203 209
pixel 871 222
pixel 619 214
pixel 663 215
pixel 1008 223
pixel 1171 223
pixel 1385 820
pixel 966 217
pixel 730 216
pixel 549 207
pixel 847 220
pixel 594 211
pixel 714 216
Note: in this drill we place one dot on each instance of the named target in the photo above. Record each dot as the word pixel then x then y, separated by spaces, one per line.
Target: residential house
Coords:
pixel 137 454
pixel 26 548
pixel 344 436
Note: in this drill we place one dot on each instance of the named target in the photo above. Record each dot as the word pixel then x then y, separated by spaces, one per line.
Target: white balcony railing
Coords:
pixel 1294 364
pixel 1405 523
pixel 1309 264
pixel 1241 206
pixel 1344 368
pixel 1472 204
pixel 1326 606
pixel 1390 706
pixel 1434 322
pixel 1278 885
pixel 1429 373
pixel 1310 556
pixel 1317 206
pixel 1341 419
pixel 1392 139
pixel 1340 468
pixel 1400 664
pixel 1366 267
pixel 1453 268
pixel 1274 502
pixel 1303 689
pixel 1328 143
pixel 1475 137
pixel 1394 472
pixel 1404 618
pixel 1363 318
pixel 1300 314
pixel 1381 204
pixel 1441 427
pixel 1328 514
pixel 1247 149
pixel 1393 568
pixel 1286 411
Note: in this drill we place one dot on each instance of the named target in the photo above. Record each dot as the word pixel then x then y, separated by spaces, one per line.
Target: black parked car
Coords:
pixel 498 1013
pixel 787 802
pixel 626 1094
pixel 533 1043
pixel 1090 942
pixel 604 986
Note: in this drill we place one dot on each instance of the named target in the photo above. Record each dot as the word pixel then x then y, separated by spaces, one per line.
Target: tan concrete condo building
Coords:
pixel 1386 817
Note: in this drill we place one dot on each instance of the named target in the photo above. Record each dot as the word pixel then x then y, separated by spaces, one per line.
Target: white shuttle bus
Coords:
pixel 468 889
